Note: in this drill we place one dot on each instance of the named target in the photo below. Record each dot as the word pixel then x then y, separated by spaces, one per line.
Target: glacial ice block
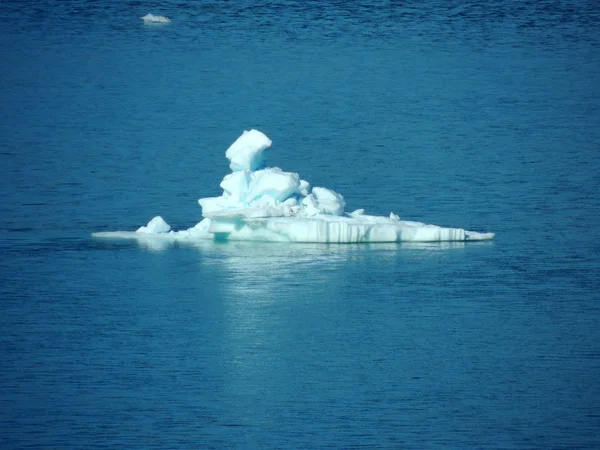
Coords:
pixel 261 203
pixel 150 19
pixel 246 153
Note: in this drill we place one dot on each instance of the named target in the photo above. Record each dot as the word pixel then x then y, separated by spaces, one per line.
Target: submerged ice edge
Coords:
pixel 270 205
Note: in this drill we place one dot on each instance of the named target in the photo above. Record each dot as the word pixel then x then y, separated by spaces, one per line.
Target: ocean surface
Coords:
pixel 477 115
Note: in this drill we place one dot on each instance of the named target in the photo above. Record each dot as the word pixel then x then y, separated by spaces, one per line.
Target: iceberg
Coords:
pixel 267 204
pixel 152 19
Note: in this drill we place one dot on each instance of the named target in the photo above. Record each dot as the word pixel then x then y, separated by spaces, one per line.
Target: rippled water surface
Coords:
pixel 485 117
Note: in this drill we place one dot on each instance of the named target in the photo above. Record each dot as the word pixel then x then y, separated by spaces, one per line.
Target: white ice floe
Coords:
pixel 152 19
pixel 267 204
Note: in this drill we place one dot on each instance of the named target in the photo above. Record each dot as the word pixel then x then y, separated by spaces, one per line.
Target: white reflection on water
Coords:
pixel 253 266
pixel 281 308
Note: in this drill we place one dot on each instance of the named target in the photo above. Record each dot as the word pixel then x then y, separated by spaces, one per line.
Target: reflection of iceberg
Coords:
pixel 268 204
pixel 152 19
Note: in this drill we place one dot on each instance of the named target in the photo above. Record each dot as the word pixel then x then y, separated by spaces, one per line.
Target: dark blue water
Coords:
pixel 485 117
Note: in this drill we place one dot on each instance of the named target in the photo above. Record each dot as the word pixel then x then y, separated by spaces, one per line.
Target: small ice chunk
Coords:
pixel 151 18
pixel 310 205
pixel 246 153
pixel 329 202
pixel 304 188
pixel 274 183
pixel 156 225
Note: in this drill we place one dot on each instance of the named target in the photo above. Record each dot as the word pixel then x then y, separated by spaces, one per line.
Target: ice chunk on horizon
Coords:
pixel 268 204
pixel 152 19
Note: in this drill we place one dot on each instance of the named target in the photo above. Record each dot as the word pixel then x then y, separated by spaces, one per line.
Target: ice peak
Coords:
pixel 246 153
